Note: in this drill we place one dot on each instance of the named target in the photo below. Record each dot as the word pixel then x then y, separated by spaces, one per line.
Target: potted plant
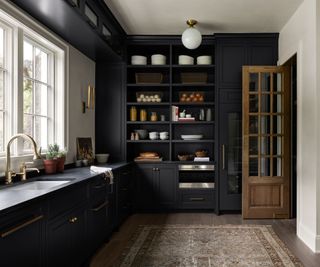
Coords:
pixel 50 162
pixel 61 157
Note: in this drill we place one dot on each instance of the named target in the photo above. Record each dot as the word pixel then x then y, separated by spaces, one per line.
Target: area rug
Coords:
pixel 203 246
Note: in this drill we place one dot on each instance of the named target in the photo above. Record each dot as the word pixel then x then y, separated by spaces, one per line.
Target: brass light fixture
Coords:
pixel 90 103
pixel 191 37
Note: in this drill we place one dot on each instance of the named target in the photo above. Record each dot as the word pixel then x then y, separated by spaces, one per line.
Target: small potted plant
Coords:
pixel 50 162
pixel 61 157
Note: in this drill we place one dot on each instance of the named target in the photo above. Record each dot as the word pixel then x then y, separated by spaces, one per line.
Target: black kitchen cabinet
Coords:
pixel 67 239
pixel 22 237
pixel 230 139
pixel 124 179
pixel 156 186
pixel 98 226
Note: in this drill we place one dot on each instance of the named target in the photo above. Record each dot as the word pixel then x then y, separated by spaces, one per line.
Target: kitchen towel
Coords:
pixel 107 171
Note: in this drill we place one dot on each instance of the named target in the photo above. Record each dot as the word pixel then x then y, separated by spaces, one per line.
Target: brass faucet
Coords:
pixel 23 169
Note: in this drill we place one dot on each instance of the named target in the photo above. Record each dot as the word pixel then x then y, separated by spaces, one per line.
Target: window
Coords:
pixel 37 90
pixel 32 85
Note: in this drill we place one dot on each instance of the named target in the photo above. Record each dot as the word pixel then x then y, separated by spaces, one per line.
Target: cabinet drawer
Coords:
pixel 67 199
pixel 98 187
pixel 197 199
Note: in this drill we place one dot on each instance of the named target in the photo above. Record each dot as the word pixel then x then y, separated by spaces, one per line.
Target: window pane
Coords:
pixel 253 124
pixel 265 82
pixel 1 47
pixel 1 132
pixel 277 82
pixel 41 65
pixel 253 103
pixel 40 99
pixel 277 166
pixel 28 129
pixel 27 96
pixel 265 145
pixel 253 145
pixel 254 80
pixel 265 124
pixel 277 124
pixel 265 103
pixel 1 90
pixel 27 59
pixel 265 166
pixel 277 104
pixel 253 167
pixel 41 131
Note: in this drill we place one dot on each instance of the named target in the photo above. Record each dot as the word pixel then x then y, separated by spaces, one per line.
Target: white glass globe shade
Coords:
pixel 191 38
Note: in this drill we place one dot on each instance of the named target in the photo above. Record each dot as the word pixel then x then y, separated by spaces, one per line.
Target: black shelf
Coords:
pixel 193 122
pixel 148 84
pixel 148 66
pixel 149 122
pixel 193 141
pixel 193 84
pixel 176 66
pixel 148 104
pixel 149 141
pixel 193 103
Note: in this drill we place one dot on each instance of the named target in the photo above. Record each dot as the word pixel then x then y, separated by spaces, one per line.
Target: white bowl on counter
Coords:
pixel 102 158
pixel 138 60
pixel 204 60
pixel 185 60
pixel 158 59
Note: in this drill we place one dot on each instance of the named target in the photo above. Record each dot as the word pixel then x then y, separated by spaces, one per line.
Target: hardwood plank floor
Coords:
pixel 286 230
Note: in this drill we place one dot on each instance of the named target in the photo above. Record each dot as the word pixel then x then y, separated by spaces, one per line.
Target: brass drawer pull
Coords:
pixel 104 204
pixel 23 225
pixel 99 186
pixel 73 220
pixel 197 199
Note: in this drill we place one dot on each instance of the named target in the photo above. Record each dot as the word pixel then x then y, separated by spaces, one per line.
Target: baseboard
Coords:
pixel 309 238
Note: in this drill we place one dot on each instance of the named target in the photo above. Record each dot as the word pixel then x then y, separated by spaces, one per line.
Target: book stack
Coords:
pixel 187 119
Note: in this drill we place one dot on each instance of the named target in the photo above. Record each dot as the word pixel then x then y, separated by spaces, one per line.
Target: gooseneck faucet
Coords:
pixel 36 155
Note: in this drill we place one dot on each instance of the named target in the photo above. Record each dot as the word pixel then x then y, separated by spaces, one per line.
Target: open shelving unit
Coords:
pixel 170 88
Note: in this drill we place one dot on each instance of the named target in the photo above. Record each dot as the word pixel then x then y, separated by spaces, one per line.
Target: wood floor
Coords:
pixel 286 230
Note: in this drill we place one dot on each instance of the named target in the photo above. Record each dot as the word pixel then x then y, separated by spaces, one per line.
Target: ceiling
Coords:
pixel 169 16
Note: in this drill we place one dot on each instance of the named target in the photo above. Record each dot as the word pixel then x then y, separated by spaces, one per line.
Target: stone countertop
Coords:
pixel 11 197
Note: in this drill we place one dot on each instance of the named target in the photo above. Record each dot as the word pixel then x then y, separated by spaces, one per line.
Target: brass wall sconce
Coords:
pixel 90 103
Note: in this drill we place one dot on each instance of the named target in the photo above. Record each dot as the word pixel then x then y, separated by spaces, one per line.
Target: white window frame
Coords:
pixel 22 25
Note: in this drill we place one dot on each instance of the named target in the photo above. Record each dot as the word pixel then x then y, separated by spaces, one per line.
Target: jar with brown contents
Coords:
pixel 154 116
pixel 133 114
pixel 143 115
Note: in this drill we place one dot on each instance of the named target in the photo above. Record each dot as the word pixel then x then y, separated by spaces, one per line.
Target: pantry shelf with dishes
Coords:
pixel 170 89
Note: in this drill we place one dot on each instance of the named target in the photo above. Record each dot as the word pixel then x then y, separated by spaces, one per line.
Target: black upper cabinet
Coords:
pixel 235 50
pixel 67 18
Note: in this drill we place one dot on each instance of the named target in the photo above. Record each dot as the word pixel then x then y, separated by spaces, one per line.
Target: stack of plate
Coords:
pixel 204 60
pixel 158 59
pixel 192 136
pixel 185 60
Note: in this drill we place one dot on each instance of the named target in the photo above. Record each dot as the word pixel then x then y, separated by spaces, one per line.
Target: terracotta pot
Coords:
pixel 50 166
pixel 60 164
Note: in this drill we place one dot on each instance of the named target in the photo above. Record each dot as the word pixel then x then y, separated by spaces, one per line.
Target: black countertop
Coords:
pixel 10 196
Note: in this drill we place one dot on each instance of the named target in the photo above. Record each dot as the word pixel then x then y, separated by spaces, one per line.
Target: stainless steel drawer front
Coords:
pixel 196 185
pixel 196 167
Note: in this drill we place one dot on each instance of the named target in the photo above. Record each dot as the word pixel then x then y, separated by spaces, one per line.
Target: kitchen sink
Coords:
pixel 39 185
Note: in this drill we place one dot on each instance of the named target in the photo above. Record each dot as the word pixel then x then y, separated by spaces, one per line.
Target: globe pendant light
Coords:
pixel 191 37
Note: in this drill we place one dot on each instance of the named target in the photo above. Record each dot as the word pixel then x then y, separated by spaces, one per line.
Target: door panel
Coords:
pixel 266 142
pixel 230 168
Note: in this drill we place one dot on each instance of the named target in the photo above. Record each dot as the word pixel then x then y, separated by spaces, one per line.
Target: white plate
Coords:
pixel 191 136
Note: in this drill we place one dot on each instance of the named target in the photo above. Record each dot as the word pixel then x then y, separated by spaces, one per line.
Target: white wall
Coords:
pixel 299 36
pixel 81 74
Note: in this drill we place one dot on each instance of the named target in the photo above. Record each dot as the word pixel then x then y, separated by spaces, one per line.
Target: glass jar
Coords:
pixel 154 116
pixel 143 115
pixel 133 114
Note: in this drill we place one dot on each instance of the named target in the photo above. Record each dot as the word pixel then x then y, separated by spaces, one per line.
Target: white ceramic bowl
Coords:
pixel 204 60
pixel 138 60
pixel 158 59
pixel 185 60
pixel 102 158
pixel 154 135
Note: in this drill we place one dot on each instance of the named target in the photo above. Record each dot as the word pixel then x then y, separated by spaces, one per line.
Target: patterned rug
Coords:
pixel 204 246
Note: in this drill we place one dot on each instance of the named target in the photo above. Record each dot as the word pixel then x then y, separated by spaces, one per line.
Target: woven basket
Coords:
pixel 194 77
pixel 145 78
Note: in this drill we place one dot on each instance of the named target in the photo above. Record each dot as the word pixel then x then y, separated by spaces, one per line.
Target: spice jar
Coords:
pixel 143 115
pixel 133 114
pixel 154 116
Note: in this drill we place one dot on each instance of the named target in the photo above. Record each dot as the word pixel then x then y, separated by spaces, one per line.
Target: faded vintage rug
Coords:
pixel 202 245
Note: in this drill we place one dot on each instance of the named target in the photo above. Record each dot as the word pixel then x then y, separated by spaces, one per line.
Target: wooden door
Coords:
pixel 266 142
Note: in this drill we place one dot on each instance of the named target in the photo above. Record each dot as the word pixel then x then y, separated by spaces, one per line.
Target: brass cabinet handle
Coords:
pixel 73 220
pixel 223 157
pixel 101 206
pixel 197 199
pixel 21 226
pixel 99 186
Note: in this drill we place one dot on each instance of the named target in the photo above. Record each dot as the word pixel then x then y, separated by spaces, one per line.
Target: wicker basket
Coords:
pixel 194 77
pixel 146 78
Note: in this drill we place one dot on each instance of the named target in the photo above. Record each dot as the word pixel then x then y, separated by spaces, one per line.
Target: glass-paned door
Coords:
pixel 266 142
